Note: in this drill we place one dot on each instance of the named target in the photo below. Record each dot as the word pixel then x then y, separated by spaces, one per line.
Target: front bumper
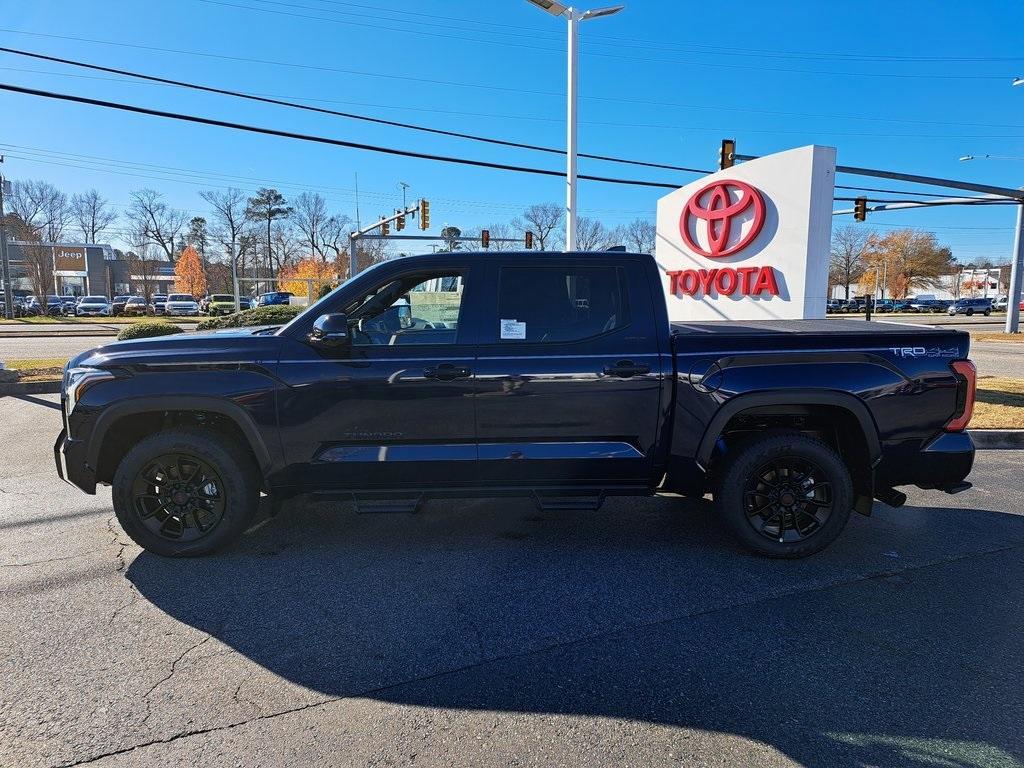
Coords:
pixel 70 457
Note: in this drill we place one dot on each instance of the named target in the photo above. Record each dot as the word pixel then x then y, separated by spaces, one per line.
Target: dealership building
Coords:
pixel 81 269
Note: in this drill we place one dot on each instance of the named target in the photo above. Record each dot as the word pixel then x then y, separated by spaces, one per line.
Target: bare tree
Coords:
pixel 93 215
pixel 850 245
pixel 228 219
pixel 159 223
pixel 639 236
pixel 322 235
pixel 543 220
pixel 591 234
pixel 43 208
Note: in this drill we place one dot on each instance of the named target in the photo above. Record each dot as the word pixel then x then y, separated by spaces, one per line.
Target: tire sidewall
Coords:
pixel 236 473
pixel 754 454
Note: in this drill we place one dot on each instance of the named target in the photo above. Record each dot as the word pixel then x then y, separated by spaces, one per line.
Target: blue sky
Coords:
pixel 910 86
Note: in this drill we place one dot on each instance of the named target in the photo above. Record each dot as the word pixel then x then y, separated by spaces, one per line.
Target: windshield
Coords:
pixel 95 299
pixel 222 297
pixel 180 297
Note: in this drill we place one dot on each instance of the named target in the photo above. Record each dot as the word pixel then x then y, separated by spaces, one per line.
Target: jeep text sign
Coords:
pixel 750 242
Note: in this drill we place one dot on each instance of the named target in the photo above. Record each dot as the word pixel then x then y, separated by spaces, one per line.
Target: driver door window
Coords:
pixel 417 309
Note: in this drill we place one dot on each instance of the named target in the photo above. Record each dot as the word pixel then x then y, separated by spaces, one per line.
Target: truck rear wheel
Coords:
pixel 185 492
pixel 785 495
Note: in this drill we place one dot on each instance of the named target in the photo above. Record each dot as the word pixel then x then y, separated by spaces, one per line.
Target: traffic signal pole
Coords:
pixel 354 237
pixel 1016 275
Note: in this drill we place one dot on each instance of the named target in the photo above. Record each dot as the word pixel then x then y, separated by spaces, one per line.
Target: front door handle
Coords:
pixel 448 372
pixel 625 369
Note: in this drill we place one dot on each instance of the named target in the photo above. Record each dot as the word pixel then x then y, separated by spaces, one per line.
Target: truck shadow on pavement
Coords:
pixel 898 646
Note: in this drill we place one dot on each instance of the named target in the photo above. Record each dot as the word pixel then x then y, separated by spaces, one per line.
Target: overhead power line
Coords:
pixel 338 113
pixel 320 139
pixel 492 87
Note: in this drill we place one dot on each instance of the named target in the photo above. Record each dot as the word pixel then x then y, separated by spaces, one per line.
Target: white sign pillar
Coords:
pixel 750 242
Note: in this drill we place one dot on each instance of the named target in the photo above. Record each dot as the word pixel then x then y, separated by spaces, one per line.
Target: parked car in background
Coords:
pixel 117 305
pixel 54 305
pixel 835 305
pixel 158 303
pixel 883 305
pixel 1001 304
pixel 181 305
pixel 69 304
pixel 32 306
pixel 93 306
pixel 971 307
pixel 221 304
pixel 135 306
pixel 901 305
pixel 274 298
pixel 925 305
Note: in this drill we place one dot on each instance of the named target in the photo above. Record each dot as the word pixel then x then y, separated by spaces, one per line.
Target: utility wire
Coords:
pixel 320 139
pixel 337 113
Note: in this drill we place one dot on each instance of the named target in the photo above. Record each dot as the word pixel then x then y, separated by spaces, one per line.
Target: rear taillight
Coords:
pixel 967 380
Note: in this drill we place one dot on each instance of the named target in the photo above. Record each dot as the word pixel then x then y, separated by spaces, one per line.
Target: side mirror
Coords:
pixel 331 331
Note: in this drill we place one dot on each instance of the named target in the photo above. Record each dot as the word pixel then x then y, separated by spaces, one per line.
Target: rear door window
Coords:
pixel 552 304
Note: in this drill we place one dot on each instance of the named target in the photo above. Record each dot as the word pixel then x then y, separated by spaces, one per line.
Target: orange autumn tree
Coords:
pixel 293 278
pixel 189 276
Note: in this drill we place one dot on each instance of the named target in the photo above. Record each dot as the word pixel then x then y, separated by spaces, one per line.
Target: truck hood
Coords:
pixel 231 345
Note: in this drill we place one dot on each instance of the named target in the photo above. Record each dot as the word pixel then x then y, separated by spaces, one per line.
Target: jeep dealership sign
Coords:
pixel 750 242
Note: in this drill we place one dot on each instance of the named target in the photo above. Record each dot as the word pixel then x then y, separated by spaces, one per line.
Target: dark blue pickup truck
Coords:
pixel 553 376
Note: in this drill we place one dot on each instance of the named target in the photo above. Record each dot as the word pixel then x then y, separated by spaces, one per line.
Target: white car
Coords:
pixel 93 306
pixel 1001 304
pixel 181 304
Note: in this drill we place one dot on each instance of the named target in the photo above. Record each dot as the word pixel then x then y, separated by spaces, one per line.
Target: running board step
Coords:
pixel 378 505
pixel 568 503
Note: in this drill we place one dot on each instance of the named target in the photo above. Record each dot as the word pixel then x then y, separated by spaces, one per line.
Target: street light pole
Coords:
pixel 573 17
pixel 5 263
pixel 1016 275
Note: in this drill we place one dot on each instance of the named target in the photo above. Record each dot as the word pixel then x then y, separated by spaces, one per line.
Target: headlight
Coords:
pixel 77 380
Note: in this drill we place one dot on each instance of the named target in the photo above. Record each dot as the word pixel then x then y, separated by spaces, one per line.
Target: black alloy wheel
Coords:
pixel 787 499
pixel 784 494
pixel 179 497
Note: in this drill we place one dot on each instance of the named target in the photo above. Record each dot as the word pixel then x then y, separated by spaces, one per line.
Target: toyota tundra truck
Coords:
pixel 556 377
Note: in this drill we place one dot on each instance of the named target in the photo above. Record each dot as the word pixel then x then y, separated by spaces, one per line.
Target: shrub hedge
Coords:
pixel 278 314
pixel 146 330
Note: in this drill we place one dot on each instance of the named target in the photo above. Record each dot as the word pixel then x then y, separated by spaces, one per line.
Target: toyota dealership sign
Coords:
pixel 750 242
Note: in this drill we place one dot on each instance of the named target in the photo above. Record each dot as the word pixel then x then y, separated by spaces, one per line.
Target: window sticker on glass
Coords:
pixel 513 329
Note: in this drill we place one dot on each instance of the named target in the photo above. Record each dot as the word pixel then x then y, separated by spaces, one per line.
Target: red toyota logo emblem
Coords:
pixel 719 205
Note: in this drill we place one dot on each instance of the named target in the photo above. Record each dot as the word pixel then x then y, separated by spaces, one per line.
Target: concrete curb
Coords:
pixel 30 388
pixel 996 439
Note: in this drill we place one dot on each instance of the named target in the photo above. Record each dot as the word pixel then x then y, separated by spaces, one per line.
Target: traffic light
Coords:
pixel 400 222
pixel 727 154
pixel 860 209
pixel 384 228
pixel 485 238
pixel 529 240
pixel 424 214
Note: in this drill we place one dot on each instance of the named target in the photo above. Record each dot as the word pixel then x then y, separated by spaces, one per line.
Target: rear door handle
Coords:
pixel 625 369
pixel 448 372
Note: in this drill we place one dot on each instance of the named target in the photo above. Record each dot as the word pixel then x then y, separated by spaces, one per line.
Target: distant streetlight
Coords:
pixel 574 17
pixel 965 158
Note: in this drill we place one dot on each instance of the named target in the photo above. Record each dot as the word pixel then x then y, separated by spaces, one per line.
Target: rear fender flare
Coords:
pixel 844 400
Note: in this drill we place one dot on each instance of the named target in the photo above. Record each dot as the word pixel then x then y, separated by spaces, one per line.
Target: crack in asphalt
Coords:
pixel 48 560
pixel 169 675
pixel 597 636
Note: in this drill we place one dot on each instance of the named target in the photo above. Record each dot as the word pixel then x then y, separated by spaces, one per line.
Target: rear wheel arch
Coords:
pixel 838 418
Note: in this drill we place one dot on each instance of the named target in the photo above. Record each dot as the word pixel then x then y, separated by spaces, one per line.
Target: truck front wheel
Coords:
pixel 785 495
pixel 185 492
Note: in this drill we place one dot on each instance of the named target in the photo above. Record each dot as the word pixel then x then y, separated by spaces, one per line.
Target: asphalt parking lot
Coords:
pixel 488 633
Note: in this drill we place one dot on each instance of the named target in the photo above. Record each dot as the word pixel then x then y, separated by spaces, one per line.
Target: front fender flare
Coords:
pixel 222 406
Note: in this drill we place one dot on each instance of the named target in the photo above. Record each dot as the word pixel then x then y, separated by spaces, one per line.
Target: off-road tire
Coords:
pixel 238 480
pixel 732 494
